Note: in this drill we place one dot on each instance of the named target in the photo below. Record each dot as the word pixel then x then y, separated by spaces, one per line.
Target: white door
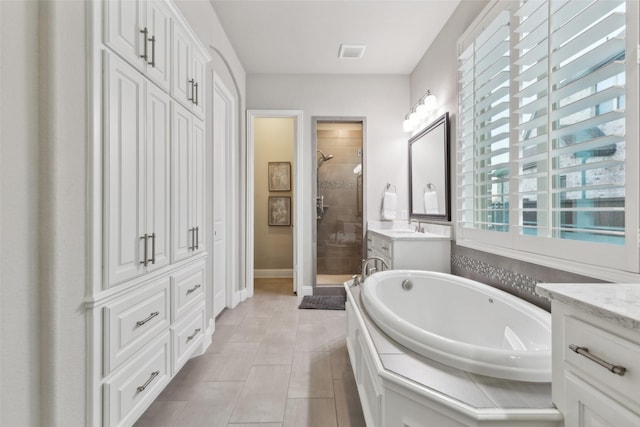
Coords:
pixel 158 42
pixel 158 174
pixel 125 23
pixel 196 196
pixel 182 81
pixel 221 118
pixel 124 165
pixel 182 230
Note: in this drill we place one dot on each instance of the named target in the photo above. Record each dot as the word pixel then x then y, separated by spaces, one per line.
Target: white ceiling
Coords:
pixel 304 36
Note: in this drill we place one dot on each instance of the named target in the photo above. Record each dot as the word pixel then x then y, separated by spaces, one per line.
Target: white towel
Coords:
pixel 431 202
pixel 389 205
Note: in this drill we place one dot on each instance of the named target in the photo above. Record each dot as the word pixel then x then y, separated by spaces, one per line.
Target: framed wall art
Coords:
pixel 279 176
pixel 280 211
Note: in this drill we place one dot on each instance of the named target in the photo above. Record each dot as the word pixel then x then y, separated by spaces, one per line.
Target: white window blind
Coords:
pixel 556 180
pixel 483 155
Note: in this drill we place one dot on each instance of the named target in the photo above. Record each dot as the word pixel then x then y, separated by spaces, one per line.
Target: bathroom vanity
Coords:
pixel 408 249
pixel 596 352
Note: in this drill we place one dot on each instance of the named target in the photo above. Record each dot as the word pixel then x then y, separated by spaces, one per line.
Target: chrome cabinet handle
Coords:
pixel 153 51
pixel 386 248
pixel 191 82
pixel 195 288
pixel 196 98
pixel 154 374
pixel 152 260
pixel 192 231
pixel 195 332
pixel 145 55
pixel 197 244
pixel 151 316
pixel 584 351
pixel 145 238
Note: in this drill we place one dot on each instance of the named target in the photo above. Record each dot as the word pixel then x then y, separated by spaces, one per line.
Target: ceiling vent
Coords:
pixel 351 51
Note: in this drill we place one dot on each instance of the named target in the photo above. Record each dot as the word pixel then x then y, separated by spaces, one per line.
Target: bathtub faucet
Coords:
pixel 367 271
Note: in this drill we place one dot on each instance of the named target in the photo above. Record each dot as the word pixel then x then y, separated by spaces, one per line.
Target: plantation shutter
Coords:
pixel 588 120
pixel 483 155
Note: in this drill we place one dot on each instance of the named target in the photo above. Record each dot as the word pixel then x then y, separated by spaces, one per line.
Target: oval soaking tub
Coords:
pixel 462 323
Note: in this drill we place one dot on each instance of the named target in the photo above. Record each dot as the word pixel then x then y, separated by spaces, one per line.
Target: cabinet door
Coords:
pixel 197 193
pixel 182 228
pixel 158 174
pixel 198 74
pixel 124 22
pixel 159 25
pixel 588 407
pixel 124 164
pixel 182 80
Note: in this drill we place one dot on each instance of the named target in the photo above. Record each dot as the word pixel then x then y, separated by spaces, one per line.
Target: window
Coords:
pixel 545 146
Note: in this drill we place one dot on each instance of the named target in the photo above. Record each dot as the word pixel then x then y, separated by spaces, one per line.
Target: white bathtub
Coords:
pixel 462 323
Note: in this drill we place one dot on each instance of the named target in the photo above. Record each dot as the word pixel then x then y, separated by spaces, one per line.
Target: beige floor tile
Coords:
pixel 340 363
pixel 310 413
pixel 310 375
pixel 229 367
pixel 264 396
pixel 311 337
pixel 212 407
pixel 348 408
pixel 249 332
pixel 255 425
pixel 221 337
pixel 274 353
pixel 160 414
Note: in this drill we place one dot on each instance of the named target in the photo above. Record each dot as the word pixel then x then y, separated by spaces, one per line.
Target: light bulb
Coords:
pixel 414 119
pixel 423 111
pixel 407 126
pixel 430 101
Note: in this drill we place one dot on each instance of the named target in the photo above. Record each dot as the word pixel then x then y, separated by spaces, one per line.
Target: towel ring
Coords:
pixel 390 187
pixel 430 186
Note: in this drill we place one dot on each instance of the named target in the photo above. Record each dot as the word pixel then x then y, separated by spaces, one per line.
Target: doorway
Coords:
pixel 339 202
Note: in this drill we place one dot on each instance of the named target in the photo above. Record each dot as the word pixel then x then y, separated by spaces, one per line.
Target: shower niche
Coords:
pixel 339 215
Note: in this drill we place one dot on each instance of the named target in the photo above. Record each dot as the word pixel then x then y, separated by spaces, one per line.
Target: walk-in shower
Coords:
pixel 339 215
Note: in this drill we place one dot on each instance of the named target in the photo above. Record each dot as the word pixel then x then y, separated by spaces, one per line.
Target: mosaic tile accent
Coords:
pixel 517 281
pixel 340 184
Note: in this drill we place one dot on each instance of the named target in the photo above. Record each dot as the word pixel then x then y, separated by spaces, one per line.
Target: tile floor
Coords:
pixel 270 365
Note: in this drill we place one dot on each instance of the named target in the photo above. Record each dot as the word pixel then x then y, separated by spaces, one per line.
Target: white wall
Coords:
pixel 438 71
pixel 19 190
pixel 381 99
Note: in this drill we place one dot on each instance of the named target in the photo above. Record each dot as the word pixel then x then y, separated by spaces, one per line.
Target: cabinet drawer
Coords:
pixel 133 320
pixel 607 346
pixel 384 246
pixel 187 336
pixel 187 287
pixel 131 391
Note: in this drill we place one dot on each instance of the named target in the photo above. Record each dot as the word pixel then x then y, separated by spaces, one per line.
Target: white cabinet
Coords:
pixel 137 163
pixel 140 32
pixel 188 72
pixel 417 251
pixel 188 183
pixel 589 385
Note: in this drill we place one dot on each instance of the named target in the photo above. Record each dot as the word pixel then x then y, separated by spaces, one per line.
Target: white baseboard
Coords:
pixel 305 290
pixel 268 273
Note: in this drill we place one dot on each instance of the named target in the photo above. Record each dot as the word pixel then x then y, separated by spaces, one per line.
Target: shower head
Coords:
pixel 323 158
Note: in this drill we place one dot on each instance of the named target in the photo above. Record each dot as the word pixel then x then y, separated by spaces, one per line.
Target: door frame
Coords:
pixel 299 193
pixel 314 146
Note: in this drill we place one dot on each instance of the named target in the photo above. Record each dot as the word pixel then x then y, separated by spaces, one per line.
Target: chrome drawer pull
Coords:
pixel 386 248
pixel 195 332
pixel 151 378
pixel 192 289
pixel 616 369
pixel 151 316
pixel 145 56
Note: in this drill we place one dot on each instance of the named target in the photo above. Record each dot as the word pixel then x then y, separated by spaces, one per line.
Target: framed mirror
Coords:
pixel 429 184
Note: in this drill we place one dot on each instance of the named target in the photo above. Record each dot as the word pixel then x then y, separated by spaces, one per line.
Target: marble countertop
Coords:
pixel 403 234
pixel 618 303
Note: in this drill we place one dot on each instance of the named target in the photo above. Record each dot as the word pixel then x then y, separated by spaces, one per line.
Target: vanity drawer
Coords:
pixel 133 320
pixel 187 287
pixel 187 336
pixel 606 346
pixel 131 391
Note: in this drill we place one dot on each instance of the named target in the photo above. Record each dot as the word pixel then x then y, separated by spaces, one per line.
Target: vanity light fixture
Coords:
pixel 426 106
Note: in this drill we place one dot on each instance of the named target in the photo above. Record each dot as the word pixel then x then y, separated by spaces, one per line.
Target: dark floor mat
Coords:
pixel 323 302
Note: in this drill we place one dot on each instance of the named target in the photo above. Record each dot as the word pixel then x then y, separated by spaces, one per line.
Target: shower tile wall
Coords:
pixel 339 249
